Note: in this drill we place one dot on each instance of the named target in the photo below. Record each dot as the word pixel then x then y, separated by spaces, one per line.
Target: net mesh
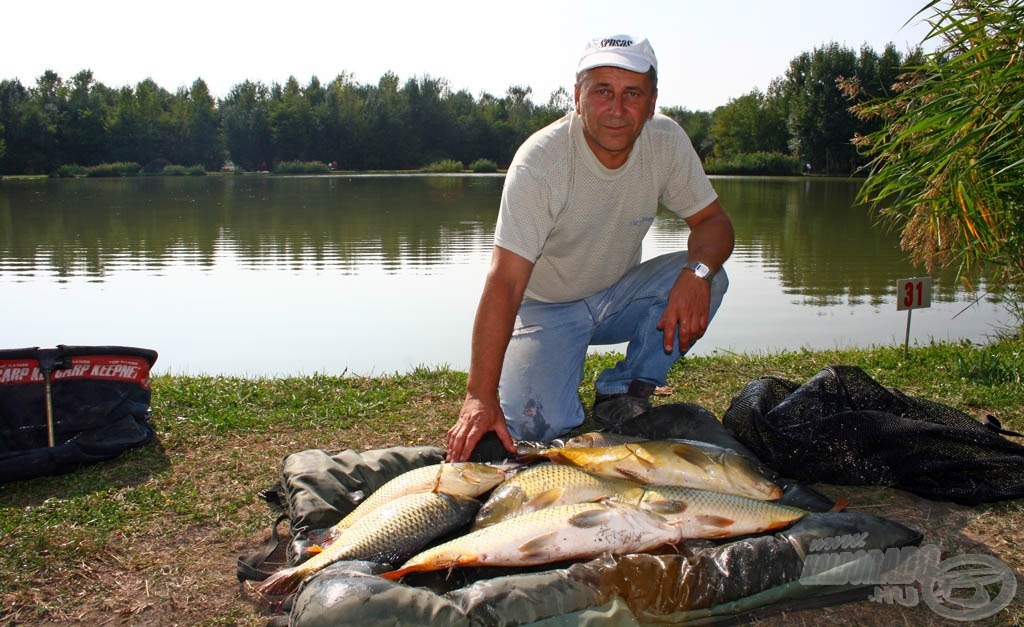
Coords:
pixel 843 427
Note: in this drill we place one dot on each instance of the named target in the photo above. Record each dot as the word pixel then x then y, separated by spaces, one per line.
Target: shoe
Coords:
pixel 615 409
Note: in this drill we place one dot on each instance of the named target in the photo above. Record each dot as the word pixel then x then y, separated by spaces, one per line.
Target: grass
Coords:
pixel 152 536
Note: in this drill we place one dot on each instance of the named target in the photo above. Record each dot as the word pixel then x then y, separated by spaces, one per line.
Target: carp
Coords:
pixel 460 478
pixel 552 534
pixel 390 533
pixel 547 485
pixel 670 462
pixel 711 515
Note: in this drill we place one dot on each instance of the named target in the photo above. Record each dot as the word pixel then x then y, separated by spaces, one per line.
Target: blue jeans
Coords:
pixel 543 366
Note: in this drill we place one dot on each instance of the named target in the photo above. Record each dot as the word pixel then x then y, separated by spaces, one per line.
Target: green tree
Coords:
pixel 750 123
pixel 245 115
pixel 387 114
pixel 83 132
pixel 820 124
pixel 697 125
pixel 947 167
pixel 13 97
pixel 201 126
pixel 291 123
pixel 141 127
pixel 344 122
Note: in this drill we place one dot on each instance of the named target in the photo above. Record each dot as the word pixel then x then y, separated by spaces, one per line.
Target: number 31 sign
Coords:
pixel 913 293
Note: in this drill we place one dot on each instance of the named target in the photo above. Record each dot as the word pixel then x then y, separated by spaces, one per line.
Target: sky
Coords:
pixel 708 52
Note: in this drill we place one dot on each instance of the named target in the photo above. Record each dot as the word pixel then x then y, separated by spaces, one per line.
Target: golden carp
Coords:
pixel 600 438
pixel 547 485
pixel 460 478
pixel 552 534
pixel 391 532
pixel 705 514
pixel 671 462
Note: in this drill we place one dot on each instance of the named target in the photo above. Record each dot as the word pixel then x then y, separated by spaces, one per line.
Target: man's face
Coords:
pixel 614 104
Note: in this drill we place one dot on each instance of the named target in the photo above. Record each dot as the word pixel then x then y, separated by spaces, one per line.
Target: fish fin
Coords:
pixel 840 505
pixel 542 500
pixel 314 549
pixel 429 565
pixel 398 573
pixel 283 582
pixel 641 454
pixel 538 546
pixel 625 473
pixel 690 454
pixel 663 508
pixel 590 518
pixel 437 480
pixel 711 520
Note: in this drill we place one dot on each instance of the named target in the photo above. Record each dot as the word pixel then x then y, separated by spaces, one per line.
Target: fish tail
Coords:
pixel 398 573
pixel 282 582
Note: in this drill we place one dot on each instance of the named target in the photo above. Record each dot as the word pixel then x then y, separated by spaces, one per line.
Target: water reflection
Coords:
pixel 344 263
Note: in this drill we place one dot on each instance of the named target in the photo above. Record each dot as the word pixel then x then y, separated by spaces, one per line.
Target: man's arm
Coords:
pixel 495 317
pixel 689 302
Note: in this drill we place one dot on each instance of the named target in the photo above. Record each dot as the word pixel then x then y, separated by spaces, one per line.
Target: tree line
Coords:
pixel 802 121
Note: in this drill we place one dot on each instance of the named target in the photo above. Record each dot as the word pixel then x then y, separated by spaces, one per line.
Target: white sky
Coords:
pixel 708 51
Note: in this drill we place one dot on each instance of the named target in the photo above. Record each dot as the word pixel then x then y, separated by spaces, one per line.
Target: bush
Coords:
pixel 483 165
pixel 70 170
pixel 446 165
pixel 301 167
pixel 174 170
pixel 767 163
pixel 119 168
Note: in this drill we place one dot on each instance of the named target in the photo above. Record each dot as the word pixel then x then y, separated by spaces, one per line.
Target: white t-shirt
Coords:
pixel 581 223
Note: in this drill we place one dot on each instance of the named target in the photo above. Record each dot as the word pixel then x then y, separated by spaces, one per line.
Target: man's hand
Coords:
pixel 478 416
pixel 686 313
pixel 689 301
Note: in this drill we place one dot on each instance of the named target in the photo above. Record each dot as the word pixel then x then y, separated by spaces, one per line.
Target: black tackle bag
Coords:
pixel 71 405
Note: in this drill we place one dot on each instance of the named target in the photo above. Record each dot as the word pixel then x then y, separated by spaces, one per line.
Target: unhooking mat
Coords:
pixel 71 405
pixel 697 581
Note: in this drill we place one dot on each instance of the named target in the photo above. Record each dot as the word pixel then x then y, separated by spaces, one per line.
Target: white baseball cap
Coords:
pixel 623 51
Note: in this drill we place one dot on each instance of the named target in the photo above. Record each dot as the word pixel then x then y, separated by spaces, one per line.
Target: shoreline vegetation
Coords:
pixel 152 536
pixel 748 164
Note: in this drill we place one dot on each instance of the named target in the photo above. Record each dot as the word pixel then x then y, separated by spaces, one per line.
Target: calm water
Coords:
pixel 265 276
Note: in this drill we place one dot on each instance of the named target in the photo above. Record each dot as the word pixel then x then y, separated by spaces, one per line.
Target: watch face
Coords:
pixel 699 269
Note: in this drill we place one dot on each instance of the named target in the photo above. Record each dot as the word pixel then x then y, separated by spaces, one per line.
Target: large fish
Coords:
pixel 552 534
pixel 547 485
pixel 461 478
pixel 600 438
pixel 390 533
pixel 670 462
pixel 705 514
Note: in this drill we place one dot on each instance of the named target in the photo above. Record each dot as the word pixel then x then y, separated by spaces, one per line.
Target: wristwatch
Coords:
pixel 700 270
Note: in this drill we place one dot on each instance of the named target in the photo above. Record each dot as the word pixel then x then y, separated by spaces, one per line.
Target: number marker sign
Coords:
pixel 912 294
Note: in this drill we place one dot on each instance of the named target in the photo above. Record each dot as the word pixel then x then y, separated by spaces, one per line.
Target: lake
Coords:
pixel 258 275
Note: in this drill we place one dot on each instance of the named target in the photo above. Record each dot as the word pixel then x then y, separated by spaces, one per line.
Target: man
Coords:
pixel 565 271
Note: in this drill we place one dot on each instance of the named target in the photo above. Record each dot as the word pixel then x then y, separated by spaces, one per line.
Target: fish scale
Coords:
pixel 462 478
pixel 552 534
pixel 706 514
pixel 389 533
pixel 546 485
pixel 670 462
